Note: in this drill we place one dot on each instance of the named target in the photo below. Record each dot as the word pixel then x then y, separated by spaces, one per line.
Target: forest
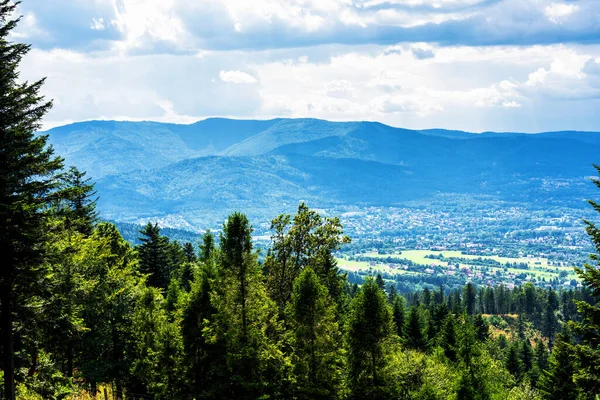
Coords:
pixel 84 314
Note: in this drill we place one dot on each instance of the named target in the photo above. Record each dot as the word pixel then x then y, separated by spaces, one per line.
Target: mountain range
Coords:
pixel 192 176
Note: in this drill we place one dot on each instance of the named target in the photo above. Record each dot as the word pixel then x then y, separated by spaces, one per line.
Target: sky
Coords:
pixel 475 65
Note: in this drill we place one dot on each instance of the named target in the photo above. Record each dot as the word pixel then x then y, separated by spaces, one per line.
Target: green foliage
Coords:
pixel 557 381
pixel 306 240
pixel 370 332
pixel 154 256
pixel 29 179
pixel 317 353
pixel 245 316
pixel 415 331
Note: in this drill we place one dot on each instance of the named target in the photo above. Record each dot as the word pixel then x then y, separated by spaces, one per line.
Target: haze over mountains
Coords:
pixel 192 176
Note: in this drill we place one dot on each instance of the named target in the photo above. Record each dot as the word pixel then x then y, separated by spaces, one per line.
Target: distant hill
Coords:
pixel 191 176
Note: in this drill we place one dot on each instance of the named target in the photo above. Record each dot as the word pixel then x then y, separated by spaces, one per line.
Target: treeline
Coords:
pixel 166 320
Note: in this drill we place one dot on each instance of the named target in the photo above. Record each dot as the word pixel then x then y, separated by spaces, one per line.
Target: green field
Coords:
pixel 538 267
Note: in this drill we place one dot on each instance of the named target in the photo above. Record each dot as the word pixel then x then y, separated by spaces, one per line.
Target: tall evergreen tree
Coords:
pixel 80 198
pixel 588 349
pixel 317 356
pixel 370 327
pixel 470 296
pixel 414 330
pixel 204 359
pixel 449 340
pixel 557 383
pixel 380 282
pixel 245 316
pixel 482 329
pixel 398 314
pixel 154 256
pixel 526 354
pixel 29 175
pixel 541 355
pixel 513 361
pixel 207 247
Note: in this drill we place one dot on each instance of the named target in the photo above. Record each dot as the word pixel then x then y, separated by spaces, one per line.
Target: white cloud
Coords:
pixel 557 11
pixel 176 60
pixel 236 77
pixel 97 24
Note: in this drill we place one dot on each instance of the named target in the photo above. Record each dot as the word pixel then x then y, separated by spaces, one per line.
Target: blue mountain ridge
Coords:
pixel 193 175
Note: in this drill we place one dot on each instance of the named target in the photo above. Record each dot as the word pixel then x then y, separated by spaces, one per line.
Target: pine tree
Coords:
pixel 317 358
pixel 80 198
pixel 245 317
pixel 526 356
pixel 556 383
pixel 398 314
pixel 470 296
pixel 472 384
pixel 549 323
pixel 380 282
pixel 414 330
pixel 207 248
pixel 449 342
pixel 513 361
pixel 541 355
pixel 482 329
pixel 154 256
pixel 588 349
pixel 29 175
pixel 370 327
pixel 189 252
pixel 204 359
pixel 392 293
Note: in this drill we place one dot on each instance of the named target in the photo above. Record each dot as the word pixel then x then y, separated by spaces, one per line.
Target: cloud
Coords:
pixel 236 77
pixel 557 11
pixel 97 24
pixel 474 64
pixel 150 26
pixel 422 54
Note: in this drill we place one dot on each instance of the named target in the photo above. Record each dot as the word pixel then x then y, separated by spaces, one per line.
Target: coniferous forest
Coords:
pixel 84 314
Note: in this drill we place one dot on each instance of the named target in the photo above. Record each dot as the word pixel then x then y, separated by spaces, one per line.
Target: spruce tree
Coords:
pixel 190 254
pixel 513 361
pixel 80 198
pixel 557 383
pixel 154 256
pixel 29 175
pixel 380 282
pixel 470 296
pixel 207 248
pixel 588 348
pixel 317 356
pixel 541 355
pixel 482 329
pixel 399 314
pixel 245 321
pixel 392 293
pixel 526 356
pixel 204 359
pixel 414 330
pixel 369 331
pixel 449 340
pixel 549 323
